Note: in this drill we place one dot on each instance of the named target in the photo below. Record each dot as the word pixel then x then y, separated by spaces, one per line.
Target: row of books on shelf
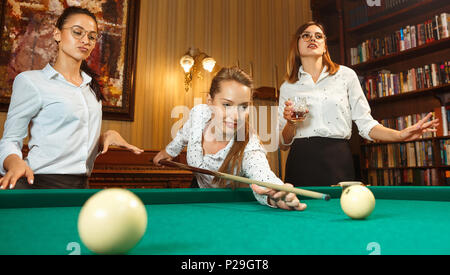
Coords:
pixel 442 113
pixel 385 83
pixel 404 177
pixel 401 155
pixel 408 37
pixel 444 146
pixel 365 13
pixel 410 154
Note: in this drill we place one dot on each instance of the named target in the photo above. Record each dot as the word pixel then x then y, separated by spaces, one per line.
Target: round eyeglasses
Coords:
pixel 307 36
pixel 79 32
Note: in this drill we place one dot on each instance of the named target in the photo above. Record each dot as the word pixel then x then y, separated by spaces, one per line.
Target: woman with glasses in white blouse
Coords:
pixel 319 150
pixel 63 105
pixel 218 138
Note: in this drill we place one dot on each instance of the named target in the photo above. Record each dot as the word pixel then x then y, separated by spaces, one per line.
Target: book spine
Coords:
pixel 443 121
pixel 413 37
pixel 444 24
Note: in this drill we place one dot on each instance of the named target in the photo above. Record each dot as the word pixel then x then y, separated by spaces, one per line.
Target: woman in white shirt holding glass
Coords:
pixel 319 150
pixel 63 105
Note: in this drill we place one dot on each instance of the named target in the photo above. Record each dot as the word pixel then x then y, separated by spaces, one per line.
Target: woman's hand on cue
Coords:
pixel 160 156
pixel 17 168
pixel 111 137
pixel 280 199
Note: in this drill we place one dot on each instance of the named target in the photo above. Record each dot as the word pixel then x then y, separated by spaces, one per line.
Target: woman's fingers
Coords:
pixel 105 147
pixel 300 206
pixel 134 149
pixel 432 123
pixel 7 180
pixel 4 182
pixel 290 197
pixel 112 137
pixel 160 156
pixel 282 204
pixel 279 195
pixel 127 146
pixel 18 169
pixel 423 120
pixel 13 181
pixel 260 190
pixel 293 202
pixel 287 109
pixel 29 175
pixel 281 199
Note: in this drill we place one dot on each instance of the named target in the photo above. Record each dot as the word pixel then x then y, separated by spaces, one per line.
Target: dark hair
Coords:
pixel 233 161
pixel 95 85
pixel 294 61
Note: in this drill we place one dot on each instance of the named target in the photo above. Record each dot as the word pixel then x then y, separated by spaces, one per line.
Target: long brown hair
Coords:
pixel 294 62
pixel 233 161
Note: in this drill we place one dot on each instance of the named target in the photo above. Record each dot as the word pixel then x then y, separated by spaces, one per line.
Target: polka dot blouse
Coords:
pixel 254 165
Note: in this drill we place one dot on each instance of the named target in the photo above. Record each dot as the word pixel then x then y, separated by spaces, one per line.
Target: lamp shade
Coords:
pixel 208 64
pixel 187 62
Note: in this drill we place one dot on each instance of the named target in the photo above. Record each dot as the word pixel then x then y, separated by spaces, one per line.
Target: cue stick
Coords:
pixel 298 191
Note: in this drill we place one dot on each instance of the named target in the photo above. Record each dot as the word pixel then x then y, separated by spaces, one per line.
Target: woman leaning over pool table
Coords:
pixel 218 138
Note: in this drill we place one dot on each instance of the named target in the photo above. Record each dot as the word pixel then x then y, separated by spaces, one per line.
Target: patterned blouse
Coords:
pixel 334 101
pixel 254 164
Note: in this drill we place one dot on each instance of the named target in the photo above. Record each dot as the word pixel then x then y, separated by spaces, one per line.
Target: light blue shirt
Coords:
pixel 65 123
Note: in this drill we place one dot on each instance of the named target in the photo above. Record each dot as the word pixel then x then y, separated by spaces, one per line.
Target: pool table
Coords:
pixel 406 220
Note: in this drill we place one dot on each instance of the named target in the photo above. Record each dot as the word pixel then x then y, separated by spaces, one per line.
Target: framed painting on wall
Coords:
pixel 27 44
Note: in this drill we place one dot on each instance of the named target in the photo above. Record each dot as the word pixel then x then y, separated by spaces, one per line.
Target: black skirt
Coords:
pixel 319 161
pixel 54 181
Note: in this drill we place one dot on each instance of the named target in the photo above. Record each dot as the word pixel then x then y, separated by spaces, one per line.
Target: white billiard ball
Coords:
pixel 357 201
pixel 112 221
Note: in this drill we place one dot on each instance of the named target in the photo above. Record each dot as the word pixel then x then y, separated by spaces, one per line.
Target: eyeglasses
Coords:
pixel 79 32
pixel 307 36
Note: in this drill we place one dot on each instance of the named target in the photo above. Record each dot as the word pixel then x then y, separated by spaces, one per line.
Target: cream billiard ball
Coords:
pixel 357 201
pixel 112 221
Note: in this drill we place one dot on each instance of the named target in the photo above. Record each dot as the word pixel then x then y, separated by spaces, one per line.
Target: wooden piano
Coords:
pixel 121 168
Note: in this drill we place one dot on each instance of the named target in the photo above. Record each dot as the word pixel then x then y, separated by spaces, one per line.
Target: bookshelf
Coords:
pixel 405 9
pixel 437 91
pixel 401 56
pixel 331 14
pixel 398 51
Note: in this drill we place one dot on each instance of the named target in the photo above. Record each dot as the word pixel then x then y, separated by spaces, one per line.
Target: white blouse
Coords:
pixel 334 101
pixel 254 164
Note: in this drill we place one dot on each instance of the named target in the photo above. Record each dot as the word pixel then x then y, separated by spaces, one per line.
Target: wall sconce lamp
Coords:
pixel 191 62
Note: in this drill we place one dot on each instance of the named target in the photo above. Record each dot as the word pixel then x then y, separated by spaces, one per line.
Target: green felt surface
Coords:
pixel 405 221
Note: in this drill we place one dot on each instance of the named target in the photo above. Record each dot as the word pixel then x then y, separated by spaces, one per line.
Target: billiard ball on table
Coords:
pixel 112 221
pixel 357 201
